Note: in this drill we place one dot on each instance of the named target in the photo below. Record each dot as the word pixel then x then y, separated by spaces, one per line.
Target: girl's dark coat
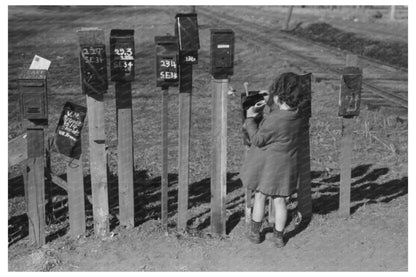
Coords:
pixel 271 166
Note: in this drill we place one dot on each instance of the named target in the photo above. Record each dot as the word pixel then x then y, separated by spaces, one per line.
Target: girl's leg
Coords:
pixel 258 207
pixel 280 212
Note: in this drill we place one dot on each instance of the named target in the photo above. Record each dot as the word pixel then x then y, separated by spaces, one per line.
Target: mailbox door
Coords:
pixel 122 55
pixel 93 69
pixel 33 99
pixel 350 93
pixel 222 53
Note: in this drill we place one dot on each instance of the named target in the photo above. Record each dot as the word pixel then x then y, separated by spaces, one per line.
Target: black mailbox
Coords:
pixel 186 29
pixel 33 94
pixel 93 68
pixel 350 93
pixel 222 53
pixel 166 61
pixel 122 55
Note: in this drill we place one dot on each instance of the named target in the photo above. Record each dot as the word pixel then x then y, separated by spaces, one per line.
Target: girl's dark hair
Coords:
pixel 287 88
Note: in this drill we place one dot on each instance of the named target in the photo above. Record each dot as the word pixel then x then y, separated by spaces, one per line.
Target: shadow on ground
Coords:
pixel 325 199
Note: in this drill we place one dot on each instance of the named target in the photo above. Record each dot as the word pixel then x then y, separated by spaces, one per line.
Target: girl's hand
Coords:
pixel 251 112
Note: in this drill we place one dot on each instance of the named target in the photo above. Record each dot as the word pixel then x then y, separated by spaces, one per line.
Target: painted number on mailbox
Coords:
pixel 93 69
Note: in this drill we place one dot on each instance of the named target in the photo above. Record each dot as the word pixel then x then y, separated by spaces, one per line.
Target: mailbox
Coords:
pixel 186 29
pixel 122 55
pixel 33 94
pixel 166 61
pixel 93 61
pixel 222 53
pixel 350 92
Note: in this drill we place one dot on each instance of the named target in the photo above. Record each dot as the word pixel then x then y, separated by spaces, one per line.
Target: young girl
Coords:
pixel 271 164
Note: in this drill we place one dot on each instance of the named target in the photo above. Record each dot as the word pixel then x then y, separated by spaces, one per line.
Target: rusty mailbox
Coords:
pixel 186 29
pixel 122 55
pixel 222 53
pixel 93 62
pixel 33 94
pixel 350 92
pixel 166 61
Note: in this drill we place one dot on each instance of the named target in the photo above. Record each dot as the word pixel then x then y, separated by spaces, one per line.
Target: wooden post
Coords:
pixel 392 13
pixel 76 196
pixel 345 159
pixel 289 15
pixel 98 163
pixel 164 177
pixel 248 195
pixel 304 167
pixel 185 96
pixel 219 155
pixel 36 184
pixel 125 152
pixel 94 84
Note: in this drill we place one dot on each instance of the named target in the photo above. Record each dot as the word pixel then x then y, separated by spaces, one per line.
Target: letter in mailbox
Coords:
pixel 222 53
pixel 186 29
pixel 350 92
pixel 166 61
pixel 122 55
pixel 33 94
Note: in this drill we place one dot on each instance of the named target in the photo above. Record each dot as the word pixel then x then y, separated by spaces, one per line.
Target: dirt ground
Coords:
pixel 374 238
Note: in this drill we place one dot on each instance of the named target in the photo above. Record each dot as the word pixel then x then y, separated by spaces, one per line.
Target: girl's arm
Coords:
pixel 260 135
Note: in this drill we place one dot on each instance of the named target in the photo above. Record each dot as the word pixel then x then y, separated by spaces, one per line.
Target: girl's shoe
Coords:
pixel 278 238
pixel 253 234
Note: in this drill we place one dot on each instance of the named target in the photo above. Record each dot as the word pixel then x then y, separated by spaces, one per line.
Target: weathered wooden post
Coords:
pixel 248 99
pixel 166 75
pixel 122 72
pixel 68 143
pixel 289 15
pixel 186 29
pixel 34 111
pixel 93 63
pixel 349 106
pixel 222 65
pixel 393 13
pixel 304 154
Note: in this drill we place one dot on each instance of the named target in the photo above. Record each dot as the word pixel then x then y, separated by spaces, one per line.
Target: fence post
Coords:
pixel 347 128
pixel 165 164
pixel 219 155
pixel 93 63
pixel 122 72
pixel 186 29
pixel 76 197
pixel 289 15
pixel 185 99
pixel 304 154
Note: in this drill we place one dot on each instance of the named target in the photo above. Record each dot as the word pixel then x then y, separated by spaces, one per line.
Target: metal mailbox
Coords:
pixel 350 92
pixel 33 94
pixel 186 29
pixel 222 53
pixel 122 55
pixel 166 61
pixel 93 62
